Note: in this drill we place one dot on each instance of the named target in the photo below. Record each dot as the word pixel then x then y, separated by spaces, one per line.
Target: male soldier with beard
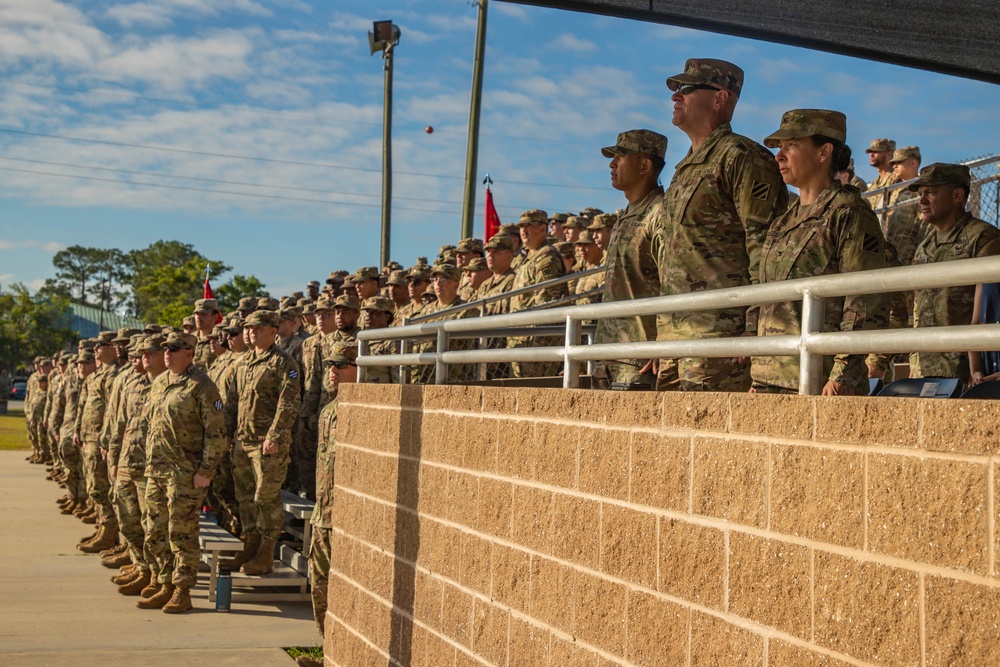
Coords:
pixel 186 441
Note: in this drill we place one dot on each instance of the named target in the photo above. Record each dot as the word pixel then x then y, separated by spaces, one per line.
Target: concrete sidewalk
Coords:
pixel 57 606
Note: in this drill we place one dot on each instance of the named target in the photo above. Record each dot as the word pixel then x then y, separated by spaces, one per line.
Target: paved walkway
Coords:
pixel 57 606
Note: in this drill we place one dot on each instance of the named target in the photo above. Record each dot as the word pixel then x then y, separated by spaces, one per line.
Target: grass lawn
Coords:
pixel 13 433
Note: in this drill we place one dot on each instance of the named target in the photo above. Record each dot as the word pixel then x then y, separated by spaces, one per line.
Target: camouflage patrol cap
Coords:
pixel 941 173
pixel 603 220
pixel 85 356
pixel 188 321
pixel 378 303
pixel 335 278
pixel 267 303
pixel 180 341
pixel 287 301
pixel 509 230
pixel 470 245
pixel 290 314
pixel 325 303
pixel 905 153
pixel 576 222
pixel 850 165
pixel 152 343
pixel 167 330
pixel 348 301
pixel 312 283
pixel 106 337
pixel 449 271
pixel 234 325
pixel 534 216
pixel 366 273
pixel 309 308
pixel 303 302
pixel 261 318
pixel 248 303
pixel 500 242
pixel 799 123
pixel 152 329
pixel 206 306
pixel 421 261
pixel 643 142
pixel 590 212
pixel 298 295
pixel 429 296
pixel 476 264
pixel 45 361
pixel 396 278
pixel 217 331
pixel 420 272
pixel 134 343
pixel 124 336
pixel 584 238
pixel 86 344
pixel 559 217
pixel 341 352
pixel 881 145
pixel 37 359
pixel 699 71
pixel 565 248
pixel 392 266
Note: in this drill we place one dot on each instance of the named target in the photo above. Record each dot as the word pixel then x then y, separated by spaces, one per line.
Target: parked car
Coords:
pixel 19 390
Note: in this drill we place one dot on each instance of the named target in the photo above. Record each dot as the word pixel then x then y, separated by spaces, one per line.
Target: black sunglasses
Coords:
pixel 689 88
pixel 173 348
pixel 342 364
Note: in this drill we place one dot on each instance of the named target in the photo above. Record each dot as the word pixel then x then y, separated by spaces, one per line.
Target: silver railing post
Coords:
pixel 588 339
pixel 482 371
pixel 571 367
pixel 440 368
pixel 362 352
pixel 811 365
pixel 404 347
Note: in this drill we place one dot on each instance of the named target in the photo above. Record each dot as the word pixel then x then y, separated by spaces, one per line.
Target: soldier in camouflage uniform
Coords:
pixel 541 263
pixel 418 278
pixel 902 226
pixel 341 361
pixel 398 294
pixel 222 493
pixel 591 257
pixel 366 282
pixel 556 222
pixel 474 274
pixel 376 313
pixel 76 484
pixel 830 229
pixel 185 443
pixel 630 267
pixel 445 277
pixel 304 445
pixel 943 191
pixel 94 399
pixel 51 428
pixel 520 252
pixel 205 316
pixel 602 229
pixel 572 227
pixel 711 223
pixel 34 409
pixel 465 252
pixel 880 153
pixel 262 408
pixel 499 255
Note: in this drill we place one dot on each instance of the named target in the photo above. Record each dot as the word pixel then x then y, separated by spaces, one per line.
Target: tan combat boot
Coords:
pixel 70 508
pixel 128 573
pixel 180 602
pixel 250 547
pixel 152 589
pixel 263 562
pixel 158 599
pixel 137 585
pixel 108 539
pixel 117 561
pixel 116 550
pixel 90 538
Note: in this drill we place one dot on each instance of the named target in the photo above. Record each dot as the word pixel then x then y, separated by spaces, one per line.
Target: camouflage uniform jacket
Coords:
pixel 493 286
pixel 838 233
pixel 203 357
pixel 519 257
pixel 884 179
pixel 34 402
pixel 125 376
pixel 383 374
pixel 589 283
pixel 312 371
pixel 56 402
pixel 467 292
pixel 858 183
pixel 456 372
pixel 409 311
pixel 186 425
pixel 263 401
pixel 902 226
pixel 326 453
pixel 55 381
pixel 94 399
pixel 69 400
pixel 540 265
pixel 709 229
pixel 221 367
pixel 969 238
pixel 630 272
pixel 131 426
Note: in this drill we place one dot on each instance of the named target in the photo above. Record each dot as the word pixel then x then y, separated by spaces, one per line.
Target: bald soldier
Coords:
pixel 630 268
pixel 711 224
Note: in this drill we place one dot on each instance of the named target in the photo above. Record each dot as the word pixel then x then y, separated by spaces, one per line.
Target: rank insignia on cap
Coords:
pixel 760 190
pixel 217 405
pixel 293 374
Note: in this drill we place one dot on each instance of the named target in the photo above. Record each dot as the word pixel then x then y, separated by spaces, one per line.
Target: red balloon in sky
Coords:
pixel 429 130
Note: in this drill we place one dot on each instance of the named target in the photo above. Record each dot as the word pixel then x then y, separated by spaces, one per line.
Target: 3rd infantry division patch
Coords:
pixel 760 190
pixel 870 244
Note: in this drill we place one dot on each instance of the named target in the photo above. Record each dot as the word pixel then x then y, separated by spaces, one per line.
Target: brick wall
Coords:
pixel 543 527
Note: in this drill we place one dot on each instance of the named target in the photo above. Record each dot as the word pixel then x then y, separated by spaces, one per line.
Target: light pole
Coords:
pixel 384 37
pixel 468 208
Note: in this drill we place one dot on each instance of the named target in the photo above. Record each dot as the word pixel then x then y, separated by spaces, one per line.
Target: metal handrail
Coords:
pixel 971 164
pixel 811 345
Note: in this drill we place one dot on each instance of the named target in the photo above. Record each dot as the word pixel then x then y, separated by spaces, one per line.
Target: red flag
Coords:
pixel 492 219
pixel 208 295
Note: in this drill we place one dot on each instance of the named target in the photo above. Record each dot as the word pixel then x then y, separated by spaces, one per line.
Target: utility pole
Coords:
pixel 385 37
pixel 471 158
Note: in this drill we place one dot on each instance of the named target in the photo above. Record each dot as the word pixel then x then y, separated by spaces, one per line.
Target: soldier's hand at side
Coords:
pixel 114 472
pixel 201 482
pixel 876 374
pixel 652 367
pixel 104 454
pixel 76 440
pixel 832 388
pixel 270 448
pixel 977 377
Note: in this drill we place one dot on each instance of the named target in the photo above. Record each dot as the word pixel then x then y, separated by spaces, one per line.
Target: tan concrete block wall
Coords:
pixel 535 527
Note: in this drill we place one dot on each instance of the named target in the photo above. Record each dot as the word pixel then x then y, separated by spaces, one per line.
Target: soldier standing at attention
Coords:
pixel 902 226
pixel 341 361
pixel 304 446
pixel 711 223
pixel 261 410
pixel 590 257
pixel 185 443
pixel 954 233
pixel 445 278
pixel 396 283
pixel 376 313
pixel 630 269
pixel 830 229
pixel 417 280
pixel 499 255
pixel 602 228
pixel 205 315
pixel 76 483
pixel 474 274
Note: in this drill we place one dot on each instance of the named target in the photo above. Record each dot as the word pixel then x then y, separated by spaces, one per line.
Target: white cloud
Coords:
pixel 47 246
pixel 512 11
pixel 163 12
pixel 568 42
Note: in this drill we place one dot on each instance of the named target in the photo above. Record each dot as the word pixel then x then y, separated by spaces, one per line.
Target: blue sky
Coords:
pixel 248 107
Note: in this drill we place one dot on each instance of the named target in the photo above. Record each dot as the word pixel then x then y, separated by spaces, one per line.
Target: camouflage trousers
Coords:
pixel 98 485
pixel 222 496
pixel 53 439
pixel 608 372
pixel 34 439
pixel 258 480
pixel 319 575
pixel 174 507
pixel 303 457
pixel 129 505
pixel 72 457
pixel 534 369
pixel 696 374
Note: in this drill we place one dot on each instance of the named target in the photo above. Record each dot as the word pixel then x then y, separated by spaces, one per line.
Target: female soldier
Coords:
pixel 830 229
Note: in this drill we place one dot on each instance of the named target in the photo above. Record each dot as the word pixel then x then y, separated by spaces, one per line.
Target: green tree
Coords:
pixel 112 279
pixel 237 287
pixel 76 267
pixel 31 326
pixel 146 267
pixel 170 291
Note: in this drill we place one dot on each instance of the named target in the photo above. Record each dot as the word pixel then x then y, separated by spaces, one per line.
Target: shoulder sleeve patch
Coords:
pixel 870 244
pixel 293 373
pixel 217 405
pixel 760 190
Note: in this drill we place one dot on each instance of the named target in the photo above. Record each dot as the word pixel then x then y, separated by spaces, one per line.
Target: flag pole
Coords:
pixel 477 101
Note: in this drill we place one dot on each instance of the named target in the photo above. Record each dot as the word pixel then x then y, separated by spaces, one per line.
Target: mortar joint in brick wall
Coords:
pixel 922 619
pixel 992 516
